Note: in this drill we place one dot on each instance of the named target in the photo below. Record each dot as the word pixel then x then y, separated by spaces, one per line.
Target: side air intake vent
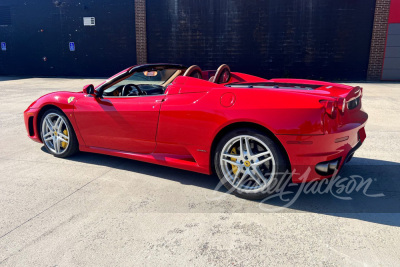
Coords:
pixel 30 125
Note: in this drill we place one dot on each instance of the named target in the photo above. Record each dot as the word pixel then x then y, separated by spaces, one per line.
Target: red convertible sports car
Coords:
pixel 248 130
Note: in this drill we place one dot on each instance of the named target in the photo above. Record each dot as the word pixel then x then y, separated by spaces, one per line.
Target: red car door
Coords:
pixel 119 123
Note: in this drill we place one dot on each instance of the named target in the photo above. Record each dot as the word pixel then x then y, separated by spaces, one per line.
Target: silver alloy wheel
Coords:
pixel 247 164
pixel 53 133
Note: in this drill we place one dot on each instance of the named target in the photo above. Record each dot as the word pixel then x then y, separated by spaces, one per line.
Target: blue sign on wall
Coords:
pixel 71 46
pixel 3 46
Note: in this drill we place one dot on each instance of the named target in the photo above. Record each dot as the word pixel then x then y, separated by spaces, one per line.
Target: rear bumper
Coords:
pixel 307 152
pixel 31 124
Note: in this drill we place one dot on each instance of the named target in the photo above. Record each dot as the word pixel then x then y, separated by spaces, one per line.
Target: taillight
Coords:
pixel 330 107
pixel 341 104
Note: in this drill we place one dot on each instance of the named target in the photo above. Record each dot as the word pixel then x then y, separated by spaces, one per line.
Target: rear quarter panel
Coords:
pixel 189 122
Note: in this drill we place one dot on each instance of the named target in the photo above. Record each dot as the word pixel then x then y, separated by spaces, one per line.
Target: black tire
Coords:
pixel 282 165
pixel 73 146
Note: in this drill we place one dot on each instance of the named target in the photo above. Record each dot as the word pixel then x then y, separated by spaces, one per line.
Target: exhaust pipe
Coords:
pixel 327 167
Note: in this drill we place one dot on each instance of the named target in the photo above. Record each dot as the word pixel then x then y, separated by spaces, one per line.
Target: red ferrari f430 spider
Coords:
pixel 248 130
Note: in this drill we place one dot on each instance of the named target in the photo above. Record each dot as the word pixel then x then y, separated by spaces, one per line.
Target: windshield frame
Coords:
pixel 130 71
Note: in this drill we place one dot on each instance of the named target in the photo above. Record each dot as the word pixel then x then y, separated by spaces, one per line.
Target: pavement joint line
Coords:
pixel 41 161
pixel 12 230
pixel 16 152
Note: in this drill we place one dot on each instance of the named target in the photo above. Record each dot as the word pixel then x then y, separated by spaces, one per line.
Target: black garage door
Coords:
pixel 37 36
pixel 316 39
pixel 391 66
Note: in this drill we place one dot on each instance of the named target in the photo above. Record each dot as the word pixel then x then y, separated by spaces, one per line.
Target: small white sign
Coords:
pixel 89 21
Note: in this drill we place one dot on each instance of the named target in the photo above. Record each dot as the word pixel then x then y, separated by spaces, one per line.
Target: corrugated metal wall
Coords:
pixel 44 29
pixel 316 39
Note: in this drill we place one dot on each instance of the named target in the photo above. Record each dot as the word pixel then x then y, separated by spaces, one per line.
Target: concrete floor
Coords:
pixel 94 210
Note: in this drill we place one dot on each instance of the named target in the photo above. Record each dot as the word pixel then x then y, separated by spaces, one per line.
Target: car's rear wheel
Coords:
pixel 57 134
pixel 250 164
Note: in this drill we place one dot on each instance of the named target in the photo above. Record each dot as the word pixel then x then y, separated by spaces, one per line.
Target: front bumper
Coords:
pixel 307 153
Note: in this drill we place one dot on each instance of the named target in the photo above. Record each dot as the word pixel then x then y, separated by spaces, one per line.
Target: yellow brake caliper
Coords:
pixel 63 144
pixel 234 167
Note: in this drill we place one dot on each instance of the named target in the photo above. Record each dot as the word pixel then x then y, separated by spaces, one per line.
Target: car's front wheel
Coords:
pixel 57 134
pixel 250 164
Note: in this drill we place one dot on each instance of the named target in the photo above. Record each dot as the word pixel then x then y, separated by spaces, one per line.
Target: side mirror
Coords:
pixel 88 89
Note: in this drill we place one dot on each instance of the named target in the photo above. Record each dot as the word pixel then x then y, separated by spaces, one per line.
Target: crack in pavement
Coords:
pixel 12 230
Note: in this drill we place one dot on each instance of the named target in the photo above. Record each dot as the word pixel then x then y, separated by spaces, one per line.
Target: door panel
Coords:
pixel 122 123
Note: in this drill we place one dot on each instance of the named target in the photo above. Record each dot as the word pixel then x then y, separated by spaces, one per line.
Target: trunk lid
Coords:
pixel 323 89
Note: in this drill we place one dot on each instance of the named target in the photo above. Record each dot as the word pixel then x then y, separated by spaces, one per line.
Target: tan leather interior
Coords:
pixel 194 71
pixel 223 74
pixel 172 78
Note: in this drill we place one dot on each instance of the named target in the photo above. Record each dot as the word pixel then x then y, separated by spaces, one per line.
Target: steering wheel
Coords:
pixel 128 88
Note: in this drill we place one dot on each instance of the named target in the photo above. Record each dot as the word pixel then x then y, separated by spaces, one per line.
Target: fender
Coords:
pixel 62 100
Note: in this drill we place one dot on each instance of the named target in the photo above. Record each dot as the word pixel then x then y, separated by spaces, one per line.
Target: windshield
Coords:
pixel 156 77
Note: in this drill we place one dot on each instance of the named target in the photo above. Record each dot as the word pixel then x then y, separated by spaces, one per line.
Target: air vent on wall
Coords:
pixel 89 21
pixel 5 15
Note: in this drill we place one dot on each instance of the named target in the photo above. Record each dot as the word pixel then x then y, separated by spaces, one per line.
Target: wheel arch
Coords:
pixel 238 125
pixel 42 111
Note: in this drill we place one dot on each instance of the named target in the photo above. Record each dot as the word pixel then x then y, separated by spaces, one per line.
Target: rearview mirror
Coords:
pixel 150 73
pixel 88 89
